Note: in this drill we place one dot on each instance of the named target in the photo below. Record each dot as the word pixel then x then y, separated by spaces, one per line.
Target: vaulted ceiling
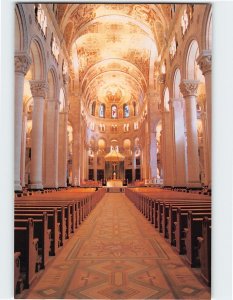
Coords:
pixel 114 47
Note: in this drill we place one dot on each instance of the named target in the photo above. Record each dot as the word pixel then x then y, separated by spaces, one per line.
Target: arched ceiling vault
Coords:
pixel 111 44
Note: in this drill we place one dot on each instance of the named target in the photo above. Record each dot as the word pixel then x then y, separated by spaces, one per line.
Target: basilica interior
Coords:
pixel 112 114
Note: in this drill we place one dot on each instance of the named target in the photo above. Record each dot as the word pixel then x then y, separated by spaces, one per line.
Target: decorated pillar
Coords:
pixel 189 90
pixel 51 140
pixel 179 142
pixel 38 90
pixel 205 62
pixel 22 64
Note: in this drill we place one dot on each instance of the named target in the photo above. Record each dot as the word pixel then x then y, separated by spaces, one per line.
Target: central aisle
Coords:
pixel 117 254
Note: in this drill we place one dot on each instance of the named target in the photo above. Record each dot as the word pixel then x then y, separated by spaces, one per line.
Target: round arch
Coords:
pixel 21 35
pixel 37 69
pixel 191 64
pixel 52 84
pixel 208 33
pixel 207 29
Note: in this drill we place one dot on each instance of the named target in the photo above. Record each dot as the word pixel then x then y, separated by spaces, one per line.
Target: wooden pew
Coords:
pixel 64 214
pixel 204 247
pixel 168 223
pixel 27 245
pixel 182 222
pixel 41 232
pixel 166 217
pixel 193 230
pixel 163 209
pixel 53 225
pixel 18 282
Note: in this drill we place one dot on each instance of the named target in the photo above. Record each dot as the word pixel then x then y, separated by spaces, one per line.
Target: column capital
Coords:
pixel 22 62
pixel 189 87
pixel 38 88
pixel 204 61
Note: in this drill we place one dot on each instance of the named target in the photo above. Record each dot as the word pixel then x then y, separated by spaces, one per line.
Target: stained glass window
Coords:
pixel 114 111
pixel 102 111
pixel 126 110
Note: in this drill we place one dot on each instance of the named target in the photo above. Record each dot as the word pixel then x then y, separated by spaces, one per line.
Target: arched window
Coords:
pixel 114 111
pixel 93 108
pixel 126 110
pixel 102 111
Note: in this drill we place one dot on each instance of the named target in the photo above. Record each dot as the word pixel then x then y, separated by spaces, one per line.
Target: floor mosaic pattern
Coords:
pixel 117 254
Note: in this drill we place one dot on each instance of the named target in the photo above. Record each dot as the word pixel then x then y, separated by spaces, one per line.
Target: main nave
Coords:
pixel 117 254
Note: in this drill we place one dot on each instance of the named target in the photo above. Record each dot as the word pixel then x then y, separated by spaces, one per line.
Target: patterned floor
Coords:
pixel 117 254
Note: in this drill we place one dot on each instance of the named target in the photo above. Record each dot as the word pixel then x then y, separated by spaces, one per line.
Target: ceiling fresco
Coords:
pixel 114 47
pixel 114 87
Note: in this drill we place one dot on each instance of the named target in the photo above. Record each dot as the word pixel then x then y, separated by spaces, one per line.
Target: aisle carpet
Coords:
pixel 117 254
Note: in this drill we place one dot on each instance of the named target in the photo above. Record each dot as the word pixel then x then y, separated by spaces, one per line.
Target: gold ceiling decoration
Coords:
pixel 113 47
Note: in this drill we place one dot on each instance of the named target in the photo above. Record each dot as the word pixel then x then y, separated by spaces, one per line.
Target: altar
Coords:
pixel 114 183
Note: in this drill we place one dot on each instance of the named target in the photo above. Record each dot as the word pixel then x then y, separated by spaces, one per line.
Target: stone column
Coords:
pixel 205 62
pixel 63 142
pixel 81 161
pixel 95 165
pixel 51 146
pixel 75 159
pixel 23 150
pixel 62 148
pixel 142 164
pixel 167 149
pixel 189 90
pixel 38 90
pixel 179 143
pixel 22 64
pixel 153 156
pixel 205 149
pixel 133 163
